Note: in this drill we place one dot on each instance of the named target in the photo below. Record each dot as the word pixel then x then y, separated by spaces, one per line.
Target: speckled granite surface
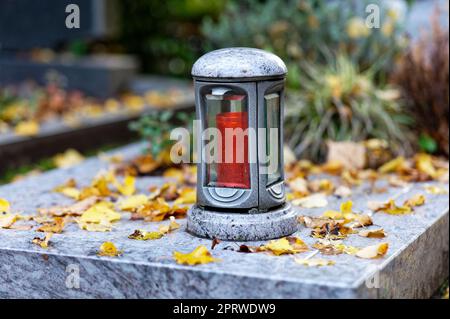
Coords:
pixel 415 265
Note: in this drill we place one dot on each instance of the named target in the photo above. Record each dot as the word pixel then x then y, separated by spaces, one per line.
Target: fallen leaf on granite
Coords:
pixel 173 225
pixel 394 165
pixel 100 212
pixel 4 206
pixel 287 245
pixel 128 187
pixel 73 210
pixel 199 256
pixel 188 195
pixel 343 191
pixel 313 201
pixel 158 210
pixel 417 200
pixel 43 242
pixel 28 128
pixel 174 173
pixel 317 222
pixel 68 189
pixel 299 185
pixel 133 203
pixel 389 208
pixel 56 226
pixel 108 249
pixel 321 185
pixel 314 262
pixel 7 220
pixel 143 235
pixel 396 181
pixel 103 226
pixel 168 191
pixel 374 251
pixel 214 243
pixel 375 233
pixel 435 190
pixel 69 158
pixel 424 163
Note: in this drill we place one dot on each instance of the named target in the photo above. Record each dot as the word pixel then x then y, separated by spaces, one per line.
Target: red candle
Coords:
pixel 234 174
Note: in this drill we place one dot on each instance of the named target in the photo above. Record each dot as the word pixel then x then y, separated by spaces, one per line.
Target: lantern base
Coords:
pixel 242 227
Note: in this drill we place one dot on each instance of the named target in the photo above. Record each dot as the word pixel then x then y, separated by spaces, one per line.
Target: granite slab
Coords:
pixel 415 265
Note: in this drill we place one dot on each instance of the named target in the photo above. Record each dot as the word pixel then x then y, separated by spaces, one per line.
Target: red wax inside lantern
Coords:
pixel 235 174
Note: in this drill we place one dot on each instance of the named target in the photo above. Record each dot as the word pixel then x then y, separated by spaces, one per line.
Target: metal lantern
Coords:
pixel 239 94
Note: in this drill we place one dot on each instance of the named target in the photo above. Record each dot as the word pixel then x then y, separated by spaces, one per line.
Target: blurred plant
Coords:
pixel 300 30
pixel 156 128
pixel 423 74
pixel 165 34
pixel 339 102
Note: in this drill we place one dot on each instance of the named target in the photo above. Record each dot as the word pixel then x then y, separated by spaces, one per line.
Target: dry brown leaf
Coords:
pixel 375 233
pixel 43 242
pixel 56 226
pixel 73 210
pixel 417 200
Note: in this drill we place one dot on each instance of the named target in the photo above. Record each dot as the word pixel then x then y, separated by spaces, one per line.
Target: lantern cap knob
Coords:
pixel 236 63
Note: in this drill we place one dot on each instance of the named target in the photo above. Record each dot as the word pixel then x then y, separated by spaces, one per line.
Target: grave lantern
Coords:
pixel 239 94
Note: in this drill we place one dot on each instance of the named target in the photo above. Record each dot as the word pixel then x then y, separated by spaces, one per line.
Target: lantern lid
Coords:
pixel 239 63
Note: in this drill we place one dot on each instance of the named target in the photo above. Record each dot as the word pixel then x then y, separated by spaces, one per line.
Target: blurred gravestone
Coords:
pixel 25 25
pixel 28 24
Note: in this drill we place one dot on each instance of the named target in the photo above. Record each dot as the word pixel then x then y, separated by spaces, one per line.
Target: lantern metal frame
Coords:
pixel 259 212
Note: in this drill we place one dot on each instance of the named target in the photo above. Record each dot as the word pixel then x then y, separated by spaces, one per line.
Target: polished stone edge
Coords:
pixel 242 227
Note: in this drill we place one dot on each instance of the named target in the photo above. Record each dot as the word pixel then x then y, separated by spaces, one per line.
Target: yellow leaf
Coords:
pixel 188 195
pixel 389 208
pixel 4 206
pixel 143 235
pixel 128 187
pixel 104 226
pixel 56 226
pixel 313 201
pixel 28 128
pixel 417 200
pixel 349 250
pixel 69 158
pixel 100 212
pixel 43 242
pixel 7 220
pixel 174 173
pixel 314 262
pixel 70 192
pixel 393 165
pixel 287 245
pixel 375 233
pixel 171 227
pixel 333 214
pixel 299 185
pixel 133 202
pixel 346 208
pixel 435 190
pixel 109 249
pixel 200 255
pixel 374 251
pixel 425 165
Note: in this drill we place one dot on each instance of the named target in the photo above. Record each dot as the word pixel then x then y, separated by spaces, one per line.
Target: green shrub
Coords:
pixel 339 102
pixel 300 31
